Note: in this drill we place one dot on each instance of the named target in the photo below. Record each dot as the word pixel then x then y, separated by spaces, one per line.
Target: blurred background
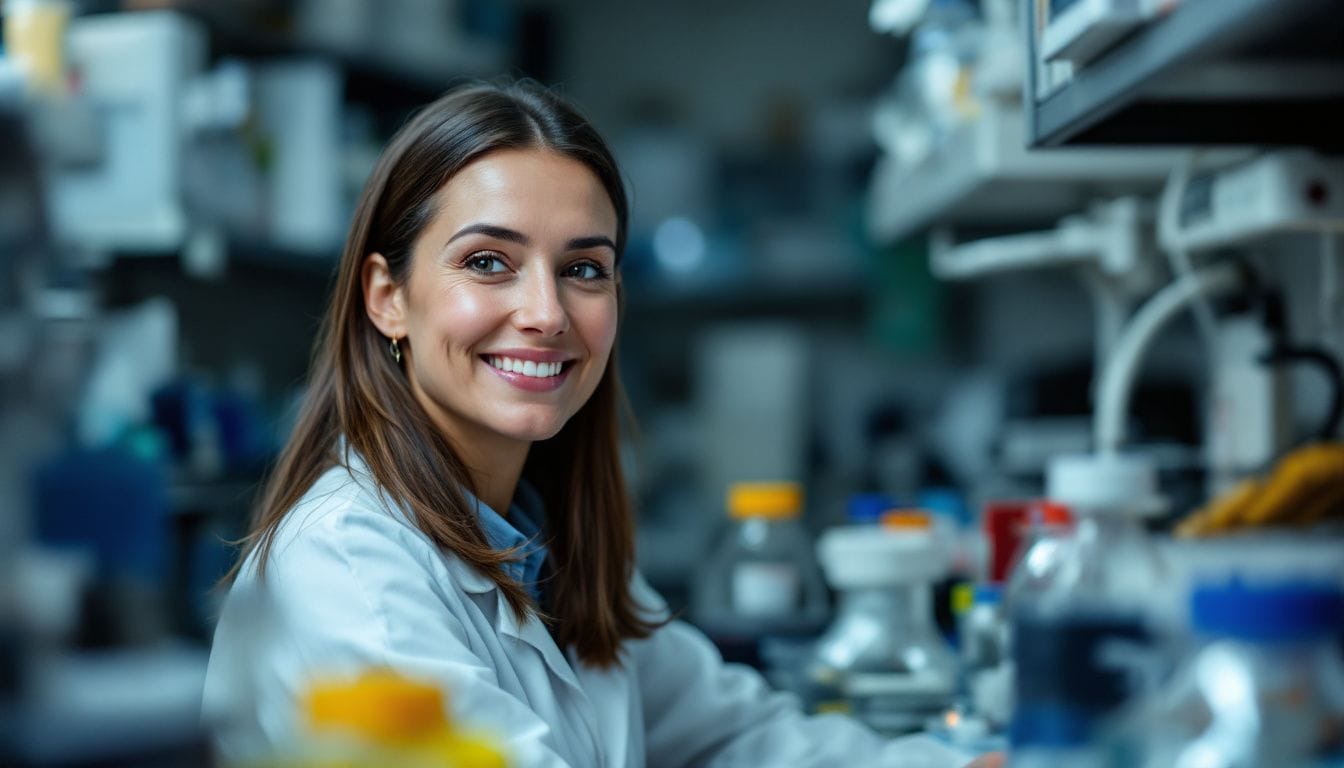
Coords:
pixel 878 246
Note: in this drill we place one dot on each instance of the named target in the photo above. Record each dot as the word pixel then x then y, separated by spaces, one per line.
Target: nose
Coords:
pixel 541 309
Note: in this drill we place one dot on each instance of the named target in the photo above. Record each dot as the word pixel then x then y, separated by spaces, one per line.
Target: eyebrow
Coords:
pixel 514 236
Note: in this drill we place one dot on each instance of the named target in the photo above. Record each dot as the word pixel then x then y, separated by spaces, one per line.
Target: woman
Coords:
pixel 451 503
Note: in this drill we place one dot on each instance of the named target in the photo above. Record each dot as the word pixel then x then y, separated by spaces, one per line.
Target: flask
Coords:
pixel 883 659
pixel 763 578
pixel 1081 636
pixel 1262 686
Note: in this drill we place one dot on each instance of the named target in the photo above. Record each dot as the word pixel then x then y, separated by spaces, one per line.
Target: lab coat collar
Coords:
pixel 532 631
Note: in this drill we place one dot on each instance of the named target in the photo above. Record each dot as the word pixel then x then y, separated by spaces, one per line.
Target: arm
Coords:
pixel 700 711
pixel 345 592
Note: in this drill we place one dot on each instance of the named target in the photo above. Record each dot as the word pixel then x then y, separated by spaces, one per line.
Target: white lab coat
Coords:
pixel 352 584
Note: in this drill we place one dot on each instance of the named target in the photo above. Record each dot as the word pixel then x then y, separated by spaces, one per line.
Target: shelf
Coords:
pixel 370 77
pixel 984 176
pixel 741 297
pixel 1265 72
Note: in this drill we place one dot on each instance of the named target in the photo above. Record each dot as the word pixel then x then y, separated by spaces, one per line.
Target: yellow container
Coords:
pixel 383 720
pixel 35 37
pixel 773 501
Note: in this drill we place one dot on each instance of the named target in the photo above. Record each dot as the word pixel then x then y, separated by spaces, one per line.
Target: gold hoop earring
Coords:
pixel 395 348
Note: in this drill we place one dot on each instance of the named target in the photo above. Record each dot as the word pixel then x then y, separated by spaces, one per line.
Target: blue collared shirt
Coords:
pixel 522 529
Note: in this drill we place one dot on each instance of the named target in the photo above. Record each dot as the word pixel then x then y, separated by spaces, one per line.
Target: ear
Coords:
pixel 383 299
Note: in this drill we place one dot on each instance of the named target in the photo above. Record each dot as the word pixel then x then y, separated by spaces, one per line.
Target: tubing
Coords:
pixel 1118 378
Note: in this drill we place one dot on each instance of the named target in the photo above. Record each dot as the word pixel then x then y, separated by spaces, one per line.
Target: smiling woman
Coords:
pixel 451 504
pixel 511 296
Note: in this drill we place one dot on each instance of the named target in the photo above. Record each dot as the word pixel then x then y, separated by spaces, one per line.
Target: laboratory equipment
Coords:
pixel 1291 190
pixel 1083 637
pixel 135 69
pixel 986 694
pixel 865 508
pixel 1264 684
pixel 1004 522
pixel 882 658
pixel 763 578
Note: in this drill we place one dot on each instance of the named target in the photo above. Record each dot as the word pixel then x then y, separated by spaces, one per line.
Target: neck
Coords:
pixel 496 486
pixel 493 461
pixel 494 466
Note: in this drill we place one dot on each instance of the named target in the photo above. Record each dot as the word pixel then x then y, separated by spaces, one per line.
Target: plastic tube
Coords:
pixel 1118 378
pixel 1168 231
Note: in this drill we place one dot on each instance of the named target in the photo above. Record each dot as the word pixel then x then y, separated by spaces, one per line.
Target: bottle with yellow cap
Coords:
pixel 763 578
pixel 385 720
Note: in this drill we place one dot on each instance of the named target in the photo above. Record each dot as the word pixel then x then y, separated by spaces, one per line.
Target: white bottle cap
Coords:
pixel 871 556
pixel 1105 482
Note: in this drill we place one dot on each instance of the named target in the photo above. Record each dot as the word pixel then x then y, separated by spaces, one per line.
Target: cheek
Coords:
pixel 599 327
pixel 461 318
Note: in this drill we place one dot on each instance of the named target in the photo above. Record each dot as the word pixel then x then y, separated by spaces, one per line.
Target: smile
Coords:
pixel 529 368
pixel 538 376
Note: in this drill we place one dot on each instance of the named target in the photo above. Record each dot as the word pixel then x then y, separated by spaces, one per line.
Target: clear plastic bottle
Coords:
pixel 882 658
pixel 1081 636
pixel 1045 542
pixel 763 578
pixel 1263 684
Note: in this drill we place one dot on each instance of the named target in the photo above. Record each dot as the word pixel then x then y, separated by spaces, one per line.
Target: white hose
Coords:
pixel 1118 378
pixel 1168 234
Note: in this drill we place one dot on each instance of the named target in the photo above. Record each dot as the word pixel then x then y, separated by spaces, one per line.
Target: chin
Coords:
pixel 535 431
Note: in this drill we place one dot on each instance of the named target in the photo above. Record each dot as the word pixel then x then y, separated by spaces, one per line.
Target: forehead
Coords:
pixel 527 188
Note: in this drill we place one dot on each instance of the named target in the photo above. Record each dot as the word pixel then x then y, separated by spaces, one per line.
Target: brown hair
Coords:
pixel 357 391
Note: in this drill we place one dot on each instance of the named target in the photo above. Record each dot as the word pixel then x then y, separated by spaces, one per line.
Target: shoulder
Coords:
pixel 346 520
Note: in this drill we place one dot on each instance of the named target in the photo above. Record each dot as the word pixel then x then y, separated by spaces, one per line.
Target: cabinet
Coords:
pixel 1262 72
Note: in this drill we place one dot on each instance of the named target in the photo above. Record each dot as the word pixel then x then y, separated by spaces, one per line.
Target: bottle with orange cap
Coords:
pixel 883 659
pixel 382 719
pixel 763 578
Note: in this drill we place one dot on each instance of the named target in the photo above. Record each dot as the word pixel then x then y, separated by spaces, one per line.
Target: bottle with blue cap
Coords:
pixel 1264 684
pixel 1082 635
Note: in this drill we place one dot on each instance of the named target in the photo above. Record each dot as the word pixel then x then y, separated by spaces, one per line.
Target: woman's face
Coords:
pixel 510 306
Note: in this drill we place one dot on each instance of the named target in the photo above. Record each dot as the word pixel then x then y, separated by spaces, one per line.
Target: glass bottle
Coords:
pixel 1082 634
pixel 762 579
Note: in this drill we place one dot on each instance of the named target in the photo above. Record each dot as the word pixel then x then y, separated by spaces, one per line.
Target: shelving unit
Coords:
pixel 984 176
pixel 370 77
pixel 1266 72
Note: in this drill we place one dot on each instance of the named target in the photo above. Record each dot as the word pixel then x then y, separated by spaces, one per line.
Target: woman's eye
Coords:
pixel 485 264
pixel 585 271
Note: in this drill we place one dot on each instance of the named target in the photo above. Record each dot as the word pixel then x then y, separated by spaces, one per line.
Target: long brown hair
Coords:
pixel 357 391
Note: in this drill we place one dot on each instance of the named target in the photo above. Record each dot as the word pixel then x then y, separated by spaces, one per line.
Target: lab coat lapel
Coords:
pixel 609 692
pixel 534 634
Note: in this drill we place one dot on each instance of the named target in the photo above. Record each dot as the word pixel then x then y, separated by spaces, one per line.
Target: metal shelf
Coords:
pixel 984 176
pixel 1210 72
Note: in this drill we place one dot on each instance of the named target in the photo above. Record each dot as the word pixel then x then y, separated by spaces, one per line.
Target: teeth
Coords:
pixel 526 367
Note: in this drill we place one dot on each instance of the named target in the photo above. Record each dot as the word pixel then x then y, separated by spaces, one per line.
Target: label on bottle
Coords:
pixel 766 589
